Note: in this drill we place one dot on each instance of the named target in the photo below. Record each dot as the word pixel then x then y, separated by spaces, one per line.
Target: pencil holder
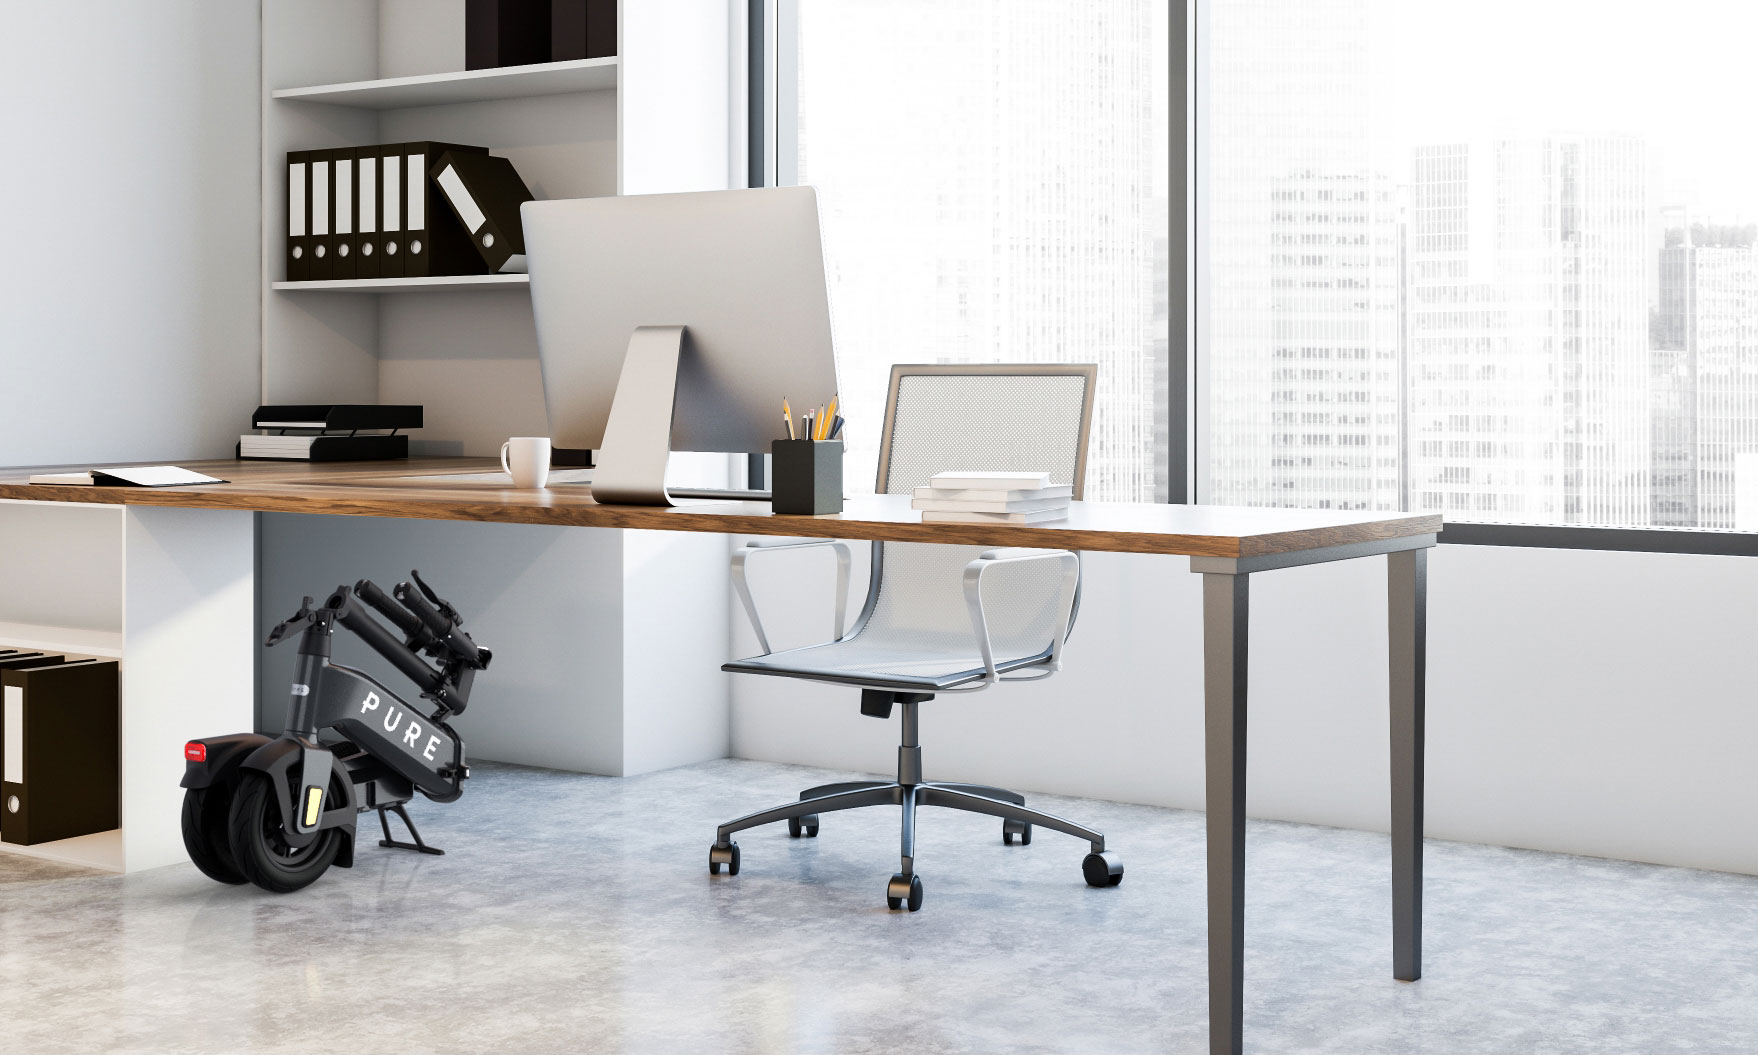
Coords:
pixel 807 477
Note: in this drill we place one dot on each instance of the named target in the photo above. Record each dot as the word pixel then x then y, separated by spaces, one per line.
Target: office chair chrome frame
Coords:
pixel 1100 868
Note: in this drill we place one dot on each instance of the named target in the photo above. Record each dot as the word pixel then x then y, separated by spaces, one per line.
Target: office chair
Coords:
pixel 943 619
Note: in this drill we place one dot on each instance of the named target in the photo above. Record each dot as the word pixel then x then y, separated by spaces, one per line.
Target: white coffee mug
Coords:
pixel 526 460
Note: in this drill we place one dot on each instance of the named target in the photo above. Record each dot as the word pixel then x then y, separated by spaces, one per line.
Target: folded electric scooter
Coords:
pixel 278 812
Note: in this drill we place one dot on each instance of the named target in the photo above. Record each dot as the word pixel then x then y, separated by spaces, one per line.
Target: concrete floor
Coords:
pixel 575 914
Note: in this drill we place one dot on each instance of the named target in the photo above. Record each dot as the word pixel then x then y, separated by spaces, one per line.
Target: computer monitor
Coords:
pixel 613 280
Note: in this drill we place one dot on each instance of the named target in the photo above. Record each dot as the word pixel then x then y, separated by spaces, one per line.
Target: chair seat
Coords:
pixel 883 661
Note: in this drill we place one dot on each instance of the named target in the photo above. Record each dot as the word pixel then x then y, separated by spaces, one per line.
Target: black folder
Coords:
pixel 60 751
pixel 366 212
pixel 342 212
pixel 505 33
pixel 434 242
pixel 582 29
pixel 322 215
pixel 298 215
pixel 484 193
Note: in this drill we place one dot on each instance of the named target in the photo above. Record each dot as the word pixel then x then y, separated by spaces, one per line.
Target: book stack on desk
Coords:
pixel 992 498
pixel 342 432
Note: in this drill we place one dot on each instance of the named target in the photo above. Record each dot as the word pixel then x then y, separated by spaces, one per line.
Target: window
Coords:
pixel 1495 260
pixel 993 181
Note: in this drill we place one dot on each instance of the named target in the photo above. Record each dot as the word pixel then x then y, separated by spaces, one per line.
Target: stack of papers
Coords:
pixel 257 445
pixel 992 498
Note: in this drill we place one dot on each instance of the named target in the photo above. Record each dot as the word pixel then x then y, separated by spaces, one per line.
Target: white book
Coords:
pixel 976 505
pixel 134 475
pixel 1038 517
pixel 989 494
pixel 991 481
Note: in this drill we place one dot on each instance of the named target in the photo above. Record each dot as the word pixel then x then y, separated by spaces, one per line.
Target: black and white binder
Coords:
pixel 319 266
pixel 342 213
pixel 485 193
pixel 435 243
pixel 366 193
pixel 390 211
pixel 60 751
pixel 298 208
pixel 582 29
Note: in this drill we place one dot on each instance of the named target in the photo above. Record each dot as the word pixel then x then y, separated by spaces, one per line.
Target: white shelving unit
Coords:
pixel 168 592
pixel 656 117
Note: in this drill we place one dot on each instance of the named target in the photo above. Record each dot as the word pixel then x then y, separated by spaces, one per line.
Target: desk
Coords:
pixel 1226 547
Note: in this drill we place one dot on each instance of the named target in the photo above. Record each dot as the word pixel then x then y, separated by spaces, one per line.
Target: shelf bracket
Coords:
pixel 637 436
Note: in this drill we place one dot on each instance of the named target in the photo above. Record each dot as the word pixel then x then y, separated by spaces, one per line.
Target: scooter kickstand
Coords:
pixel 417 845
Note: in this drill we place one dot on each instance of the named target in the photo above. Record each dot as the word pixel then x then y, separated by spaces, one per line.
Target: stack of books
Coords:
pixel 992 498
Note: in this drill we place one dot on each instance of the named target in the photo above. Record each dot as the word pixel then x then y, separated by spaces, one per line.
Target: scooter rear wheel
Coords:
pixel 260 845
pixel 205 817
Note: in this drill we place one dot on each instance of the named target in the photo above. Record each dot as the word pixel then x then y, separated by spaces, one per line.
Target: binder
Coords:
pixel 321 216
pixel 484 193
pixel 390 211
pixel 298 209
pixel 60 751
pixel 366 193
pixel 582 29
pixel 505 33
pixel 342 195
pixel 435 242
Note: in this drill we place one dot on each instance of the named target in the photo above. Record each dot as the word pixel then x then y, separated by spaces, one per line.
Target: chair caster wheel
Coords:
pixel 903 889
pixel 1103 869
pixel 1023 829
pixel 727 855
pixel 807 825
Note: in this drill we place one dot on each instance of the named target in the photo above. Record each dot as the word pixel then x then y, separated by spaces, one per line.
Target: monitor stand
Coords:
pixel 637 435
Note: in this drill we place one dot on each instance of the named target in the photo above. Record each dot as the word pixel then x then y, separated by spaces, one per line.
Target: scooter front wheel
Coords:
pixel 206 813
pixel 260 844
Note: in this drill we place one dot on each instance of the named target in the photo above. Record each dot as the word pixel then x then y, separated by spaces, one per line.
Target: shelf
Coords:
pixel 468 86
pixel 407 285
pixel 106 643
pixel 102 851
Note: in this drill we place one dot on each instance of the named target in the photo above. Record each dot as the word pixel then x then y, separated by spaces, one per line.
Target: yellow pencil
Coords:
pixel 787 416
pixel 818 424
pixel 830 415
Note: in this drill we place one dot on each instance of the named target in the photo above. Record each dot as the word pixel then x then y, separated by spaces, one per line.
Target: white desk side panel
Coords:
pixel 189 618
pixel 677 704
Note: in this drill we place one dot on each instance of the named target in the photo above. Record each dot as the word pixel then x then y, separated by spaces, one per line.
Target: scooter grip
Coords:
pixel 401 618
pixel 442 628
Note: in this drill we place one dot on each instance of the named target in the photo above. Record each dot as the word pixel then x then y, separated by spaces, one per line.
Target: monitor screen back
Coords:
pixel 742 270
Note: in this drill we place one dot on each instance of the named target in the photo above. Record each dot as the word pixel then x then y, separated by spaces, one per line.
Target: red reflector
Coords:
pixel 195 751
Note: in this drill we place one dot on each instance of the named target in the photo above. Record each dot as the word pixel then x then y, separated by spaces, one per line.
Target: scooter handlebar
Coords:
pixel 455 641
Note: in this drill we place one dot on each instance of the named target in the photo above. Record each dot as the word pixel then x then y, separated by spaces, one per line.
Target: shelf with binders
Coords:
pixel 430 284
pixel 463 86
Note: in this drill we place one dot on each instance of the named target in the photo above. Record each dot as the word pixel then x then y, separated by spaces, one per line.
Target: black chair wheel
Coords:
pixel 1023 829
pixel 807 826
pixel 904 889
pixel 727 855
pixel 1103 869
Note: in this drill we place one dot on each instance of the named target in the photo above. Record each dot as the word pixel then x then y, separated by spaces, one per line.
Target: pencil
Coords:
pixel 787 417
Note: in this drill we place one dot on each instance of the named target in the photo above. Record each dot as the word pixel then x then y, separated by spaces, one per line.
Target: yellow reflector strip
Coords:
pixel 314 800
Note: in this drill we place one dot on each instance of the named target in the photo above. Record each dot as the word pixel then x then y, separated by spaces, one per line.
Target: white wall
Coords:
pixel 130 304
pixel 1587 702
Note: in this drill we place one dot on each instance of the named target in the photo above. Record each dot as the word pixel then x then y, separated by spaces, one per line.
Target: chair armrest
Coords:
pixel 973 596
pixel 743 589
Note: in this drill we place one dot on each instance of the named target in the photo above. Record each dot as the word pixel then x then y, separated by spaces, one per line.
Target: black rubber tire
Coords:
pixel 732 868
pixel 263 858
pixel 1095 870
pixel 793 827
pixel 206 812
pixel 1025 836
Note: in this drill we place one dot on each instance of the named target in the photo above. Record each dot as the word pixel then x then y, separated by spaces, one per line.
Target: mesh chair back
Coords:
pixel 975 418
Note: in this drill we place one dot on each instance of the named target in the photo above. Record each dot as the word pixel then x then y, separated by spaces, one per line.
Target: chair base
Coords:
pixel 1100 868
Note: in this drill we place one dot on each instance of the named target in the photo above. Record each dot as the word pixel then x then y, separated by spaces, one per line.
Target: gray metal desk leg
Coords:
pixel 1407 594
pixel 1225 626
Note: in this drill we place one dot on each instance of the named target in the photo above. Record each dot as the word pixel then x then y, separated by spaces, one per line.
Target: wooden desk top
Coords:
pixel 417 488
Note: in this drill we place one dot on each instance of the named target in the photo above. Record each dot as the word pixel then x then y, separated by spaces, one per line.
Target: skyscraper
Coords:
pixel 1528 330
pixel 987 186
pixel 1705 371
pixel 1303 349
